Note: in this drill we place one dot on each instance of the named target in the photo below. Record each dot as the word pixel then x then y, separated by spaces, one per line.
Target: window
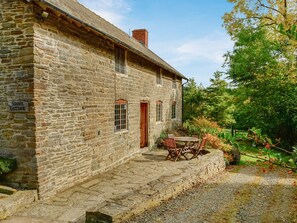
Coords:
pixel 159 111
pixel 159 77
pixel 173 110
pixel 174 82
pixel 120 120
pixel 119 55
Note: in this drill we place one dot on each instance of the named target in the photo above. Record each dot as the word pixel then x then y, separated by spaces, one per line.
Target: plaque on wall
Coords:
pixel 18 106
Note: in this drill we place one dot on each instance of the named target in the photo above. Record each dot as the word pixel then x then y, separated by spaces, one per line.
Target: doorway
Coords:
pixel 143 124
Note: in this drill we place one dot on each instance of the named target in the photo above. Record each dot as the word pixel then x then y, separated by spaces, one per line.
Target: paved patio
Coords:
pixel 124 191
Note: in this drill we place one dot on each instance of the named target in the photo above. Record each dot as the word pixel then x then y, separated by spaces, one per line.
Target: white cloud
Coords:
pixel 211 49
pixel 111 10
pixel 199 57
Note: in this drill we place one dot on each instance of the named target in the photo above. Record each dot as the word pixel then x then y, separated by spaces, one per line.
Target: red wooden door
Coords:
pixel 143 125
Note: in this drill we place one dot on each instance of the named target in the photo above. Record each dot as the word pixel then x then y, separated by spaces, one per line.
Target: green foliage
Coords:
pixel 257 146
pixel 263 66
pixel 277 16
pixel 7 165
pixel 294 156
pixel 194 98
pixel 214 102
pixel 201 126
pixel 252 56
pixel 219 101
pixel 258 138
pixel 159 140
pixel 291 32
pixel 266 92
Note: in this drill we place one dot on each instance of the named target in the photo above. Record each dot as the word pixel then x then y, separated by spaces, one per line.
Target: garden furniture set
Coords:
pixel 184 146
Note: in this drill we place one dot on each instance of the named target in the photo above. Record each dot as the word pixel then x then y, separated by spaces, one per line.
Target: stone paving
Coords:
pixel 11 200
pixel 122 192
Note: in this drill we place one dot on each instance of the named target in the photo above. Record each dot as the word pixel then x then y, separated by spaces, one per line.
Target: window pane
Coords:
pixel 173 111
pixel 159 111
pixel 174 84
pixel 121 115
pixel 119 55
pixel 158 77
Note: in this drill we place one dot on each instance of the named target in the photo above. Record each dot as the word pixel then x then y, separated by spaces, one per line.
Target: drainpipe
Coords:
pixel 183 100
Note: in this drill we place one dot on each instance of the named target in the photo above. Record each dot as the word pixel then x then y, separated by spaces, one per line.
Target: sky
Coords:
pixel 188 34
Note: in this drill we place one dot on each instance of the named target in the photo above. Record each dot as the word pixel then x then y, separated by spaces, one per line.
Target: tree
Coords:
pixel 266 85
pixel 263 65
pixel 194 99
pixel 219 105
pixel 213 102
pixel 279 16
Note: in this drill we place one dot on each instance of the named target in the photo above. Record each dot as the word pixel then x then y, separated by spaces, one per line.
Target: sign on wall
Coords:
pixel 18 106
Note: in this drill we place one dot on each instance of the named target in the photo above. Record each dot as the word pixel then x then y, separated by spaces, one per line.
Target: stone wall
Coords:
pixel 75 104
pixel 17 129
pixel 75 88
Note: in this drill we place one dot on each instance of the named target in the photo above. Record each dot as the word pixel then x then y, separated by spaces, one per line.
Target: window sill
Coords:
pixel 121 74
pixel 121 131
pixel 159 122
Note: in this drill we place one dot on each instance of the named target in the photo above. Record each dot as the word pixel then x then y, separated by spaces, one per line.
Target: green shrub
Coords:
pixel 159 142
pixel 7 165
pixel 201 126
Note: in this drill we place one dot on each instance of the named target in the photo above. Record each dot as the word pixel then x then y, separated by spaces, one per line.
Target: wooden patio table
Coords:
pixel 188 144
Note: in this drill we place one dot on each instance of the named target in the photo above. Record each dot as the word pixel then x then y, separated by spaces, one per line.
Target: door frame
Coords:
pixel 146 103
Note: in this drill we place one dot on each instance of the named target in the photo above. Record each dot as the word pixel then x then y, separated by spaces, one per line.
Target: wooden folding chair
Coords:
pixel 173 151
pixel 196 145
pixel 199 148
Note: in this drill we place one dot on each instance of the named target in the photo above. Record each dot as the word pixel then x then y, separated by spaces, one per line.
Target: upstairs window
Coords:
pixel 174 82
pixel 119 55
pixel 120 120
pixel 159 111
pixel 173 110
pixel 159 76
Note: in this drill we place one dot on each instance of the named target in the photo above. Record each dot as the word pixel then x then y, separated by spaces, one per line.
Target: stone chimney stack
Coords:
pixel 141 35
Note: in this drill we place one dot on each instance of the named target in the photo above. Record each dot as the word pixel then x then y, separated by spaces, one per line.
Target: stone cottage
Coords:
pixel 78 95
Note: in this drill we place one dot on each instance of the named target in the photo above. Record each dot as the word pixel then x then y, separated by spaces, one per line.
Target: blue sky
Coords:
pixel 187 34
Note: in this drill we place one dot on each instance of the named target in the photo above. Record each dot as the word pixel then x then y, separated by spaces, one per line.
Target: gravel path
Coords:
pixel 241 194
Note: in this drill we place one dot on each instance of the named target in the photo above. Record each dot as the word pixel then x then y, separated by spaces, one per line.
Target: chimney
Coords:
pixel 141 35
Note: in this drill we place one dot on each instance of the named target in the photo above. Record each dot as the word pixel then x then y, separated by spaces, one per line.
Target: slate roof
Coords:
pixel 83 15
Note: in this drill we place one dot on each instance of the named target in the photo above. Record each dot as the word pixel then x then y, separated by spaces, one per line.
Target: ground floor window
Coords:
pixel 173 110
pixel 121 110
pixel 159 111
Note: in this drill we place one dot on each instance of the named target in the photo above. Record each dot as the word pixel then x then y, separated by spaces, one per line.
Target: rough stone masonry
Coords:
pixel 65 74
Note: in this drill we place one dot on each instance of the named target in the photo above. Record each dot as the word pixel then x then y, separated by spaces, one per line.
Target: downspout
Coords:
pixel 183 100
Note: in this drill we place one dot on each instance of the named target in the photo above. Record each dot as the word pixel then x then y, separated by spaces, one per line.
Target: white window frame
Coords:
pixel 121 115
pixel 159 111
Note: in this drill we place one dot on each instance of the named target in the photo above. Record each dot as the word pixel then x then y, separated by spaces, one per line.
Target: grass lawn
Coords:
pixel 257 156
